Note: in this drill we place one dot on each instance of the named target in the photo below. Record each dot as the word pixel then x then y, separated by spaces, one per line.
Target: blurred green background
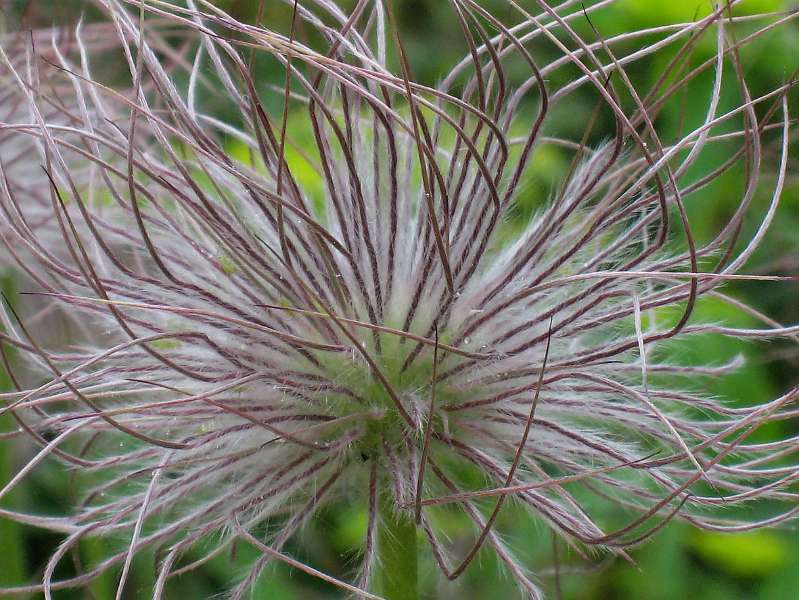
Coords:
pixel 680 562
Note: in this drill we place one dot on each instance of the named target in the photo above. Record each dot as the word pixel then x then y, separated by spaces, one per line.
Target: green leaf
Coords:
pixel 751 554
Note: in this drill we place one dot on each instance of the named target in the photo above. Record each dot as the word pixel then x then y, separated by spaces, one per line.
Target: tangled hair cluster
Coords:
pixel 268 326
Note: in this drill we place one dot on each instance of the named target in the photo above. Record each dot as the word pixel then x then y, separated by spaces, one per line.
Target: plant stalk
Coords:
pixel 396 552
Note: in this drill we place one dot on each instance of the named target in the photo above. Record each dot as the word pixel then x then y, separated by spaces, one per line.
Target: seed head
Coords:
pixel 345 284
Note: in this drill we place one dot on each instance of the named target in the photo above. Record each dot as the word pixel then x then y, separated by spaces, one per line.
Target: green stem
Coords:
pixel 396 551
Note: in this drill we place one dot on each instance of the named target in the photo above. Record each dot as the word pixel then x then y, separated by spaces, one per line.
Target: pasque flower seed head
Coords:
pixel 274 324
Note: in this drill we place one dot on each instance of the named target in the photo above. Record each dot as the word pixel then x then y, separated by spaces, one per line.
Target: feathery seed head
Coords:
pixel 275 324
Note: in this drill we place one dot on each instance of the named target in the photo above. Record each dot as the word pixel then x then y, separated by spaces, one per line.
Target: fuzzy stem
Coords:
pixel 396 548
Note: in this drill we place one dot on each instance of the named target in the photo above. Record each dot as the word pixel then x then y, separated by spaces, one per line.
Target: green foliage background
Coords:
pixel 680 562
